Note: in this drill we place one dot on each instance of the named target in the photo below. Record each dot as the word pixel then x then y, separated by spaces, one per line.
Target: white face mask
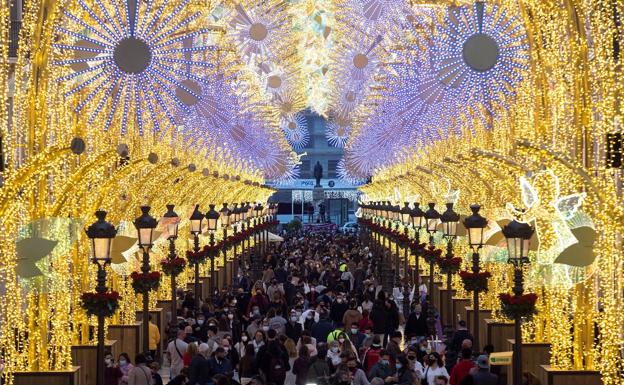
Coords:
pixel 341 340
pixel 294 318
pixel 244 338
pixel 335 349
pixel 200 322
pixel 123 362
pixel 265 328
pixel 231 316
pixel 354 331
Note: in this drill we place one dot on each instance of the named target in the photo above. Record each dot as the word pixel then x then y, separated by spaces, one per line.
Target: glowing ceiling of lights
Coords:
pixel 240 75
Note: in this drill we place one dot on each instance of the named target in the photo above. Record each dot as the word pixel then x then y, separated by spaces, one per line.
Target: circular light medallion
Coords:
pixel 258 31
pixel 132 55
pixel 480 52
pixel 360 61
pixel 274 81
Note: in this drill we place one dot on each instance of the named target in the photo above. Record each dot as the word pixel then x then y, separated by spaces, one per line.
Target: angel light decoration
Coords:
pixel 565 235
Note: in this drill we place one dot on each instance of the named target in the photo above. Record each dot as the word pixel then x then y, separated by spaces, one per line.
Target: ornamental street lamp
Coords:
pixel 518 235
pixel 258 218
pixel 475 224
pixel 196 225
pixel 449 220
pixel 417 217
pixel 226 216
pixel 145 225
pixel 212 217
pixel 173 221
pixel 432 216
pixel 406 220
pixel 101 234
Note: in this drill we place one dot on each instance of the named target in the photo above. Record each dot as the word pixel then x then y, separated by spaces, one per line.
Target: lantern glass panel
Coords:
pixel 101 247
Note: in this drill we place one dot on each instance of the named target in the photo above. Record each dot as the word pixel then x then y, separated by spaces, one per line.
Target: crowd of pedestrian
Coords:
pixel 318 315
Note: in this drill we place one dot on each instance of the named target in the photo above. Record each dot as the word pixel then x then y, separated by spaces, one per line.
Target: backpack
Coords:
pixel 277 370
pixel 371 358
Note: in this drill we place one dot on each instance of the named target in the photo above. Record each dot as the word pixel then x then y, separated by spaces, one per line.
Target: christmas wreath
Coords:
pixel 518 306
pixel 196 257
pixel 449 265
pixel 100 304
pixel 417 247
pixel 173 267
pixel 145 282
pixel 432 254
pixel 475 281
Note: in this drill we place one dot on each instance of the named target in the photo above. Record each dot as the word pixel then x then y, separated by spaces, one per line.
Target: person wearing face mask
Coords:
pixel 259 301
pixel 125 366
pixel 338 309
pixel 405 375
pixel 356 337
pixel 230 354
pixel 434 368
pixel 412 357
pixel 357 374
pixel 382 369
pixel 200 329
pixel 293 328
pixel 334 354
pixel 112 373
pixel 241 345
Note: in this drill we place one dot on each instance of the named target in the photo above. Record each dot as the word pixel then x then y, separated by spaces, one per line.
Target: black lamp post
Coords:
pixel 234 223
pixel 212 217
pixel 259 220
pixel 432 216
pixel 173 221
pixel 145 225
pixel 101 234
pixel 475 224
pixel 396 217
pixel 406 220
pixel 449 220
pixel 418 222
pixel 518 237
pixel 196 226
pixel 226 218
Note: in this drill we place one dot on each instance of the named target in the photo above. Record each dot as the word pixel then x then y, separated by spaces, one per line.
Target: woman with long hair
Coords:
pixel 301 365
pixel 247 367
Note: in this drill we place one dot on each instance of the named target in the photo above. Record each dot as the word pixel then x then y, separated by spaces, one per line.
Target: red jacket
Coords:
pixel 364 323
pixel 461 370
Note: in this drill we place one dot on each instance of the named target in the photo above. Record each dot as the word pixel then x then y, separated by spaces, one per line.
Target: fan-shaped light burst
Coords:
pixel 296 131
pixel 480 53
pixel 345 174
pixel 277 78
pixel 373 15
pixel 260 29
pixel 358 60
pixel 129 57
pixel 337 132
pixel 288 103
